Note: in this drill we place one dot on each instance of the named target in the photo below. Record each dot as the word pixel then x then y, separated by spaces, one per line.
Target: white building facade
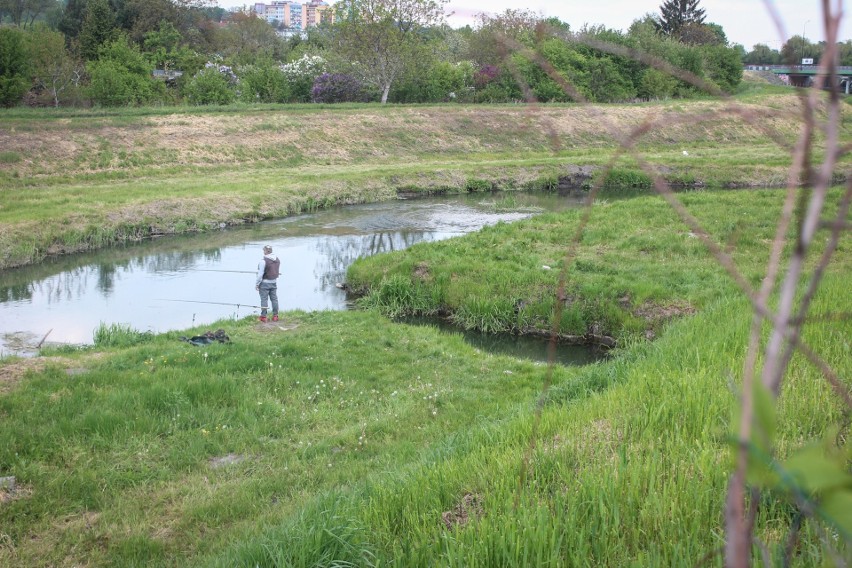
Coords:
pixel 295 16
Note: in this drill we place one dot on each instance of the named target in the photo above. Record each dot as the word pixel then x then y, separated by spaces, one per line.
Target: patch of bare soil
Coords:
pixel 470 507
pixel 421 271
pixel 275 326
pixel 658 313
pixel 655 313
pixel 10 490
pixel 13 370
pixel 223 461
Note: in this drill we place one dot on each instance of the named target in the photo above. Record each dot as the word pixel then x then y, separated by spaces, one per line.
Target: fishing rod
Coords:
pixel 237 271
pixel 214 303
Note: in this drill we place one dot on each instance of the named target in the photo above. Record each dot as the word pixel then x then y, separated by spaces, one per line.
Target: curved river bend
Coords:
pixel 179 282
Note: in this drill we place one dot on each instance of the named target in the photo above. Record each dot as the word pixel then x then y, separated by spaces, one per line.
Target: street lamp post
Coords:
pixel 803 38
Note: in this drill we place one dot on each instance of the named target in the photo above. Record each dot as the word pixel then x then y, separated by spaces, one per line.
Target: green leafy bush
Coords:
pixel 654 85
pixel 210 87
pixel 14 66
pixel 264 83
pixel 122 76
pixel 724 66
pixel 607 83
pixel 474 185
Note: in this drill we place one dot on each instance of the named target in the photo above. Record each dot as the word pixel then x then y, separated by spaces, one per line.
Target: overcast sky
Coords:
pixel 745 21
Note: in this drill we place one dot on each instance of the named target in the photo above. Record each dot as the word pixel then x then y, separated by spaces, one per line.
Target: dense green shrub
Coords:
pixel 572 67
pixel 494 85
pixel 443 81
pixel 14 66
pixel 723 66
pixel 627 68
pixel 690 60
pixel 122 76
pixel 475 185
pixel 165 49
pixel 264 83
pixel 607 83
pixel 654 84
pixel 210 86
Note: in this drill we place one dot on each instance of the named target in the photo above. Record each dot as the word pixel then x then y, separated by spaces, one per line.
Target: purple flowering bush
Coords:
pixel 487 74
pixel 338 88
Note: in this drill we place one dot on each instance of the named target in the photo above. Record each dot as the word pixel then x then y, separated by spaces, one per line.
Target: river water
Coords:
pixel 178 282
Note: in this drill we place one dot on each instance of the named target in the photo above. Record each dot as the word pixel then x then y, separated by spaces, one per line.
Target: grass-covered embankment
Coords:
pixel 73 180
pixel 621 282
pixel 351 439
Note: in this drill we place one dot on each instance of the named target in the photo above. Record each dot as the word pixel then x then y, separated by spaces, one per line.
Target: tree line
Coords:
pixel 105 52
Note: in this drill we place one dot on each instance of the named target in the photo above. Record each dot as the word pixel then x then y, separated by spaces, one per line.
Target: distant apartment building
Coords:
pixel 293 16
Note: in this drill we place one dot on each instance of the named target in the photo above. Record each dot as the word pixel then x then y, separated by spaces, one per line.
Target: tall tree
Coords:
pixel 138 17
pixel 383 37
pixel 762 54
pixel 24 12
pixel 72 18
pixel 797 48
pixel 247 38
pixel 14 66
pixel 99 27
pixel 675 14
pixel 495 35
pixel 55 69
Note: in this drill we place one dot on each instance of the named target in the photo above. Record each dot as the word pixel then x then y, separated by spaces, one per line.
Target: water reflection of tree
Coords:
pixel 335 254
pixel 106 274
pixel 61 281
pixel 178 260
pixel 16 293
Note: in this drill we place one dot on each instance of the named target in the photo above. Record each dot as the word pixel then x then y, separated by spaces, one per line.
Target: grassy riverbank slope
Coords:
pixel 72 180
pixel 637 267
pixel 345 438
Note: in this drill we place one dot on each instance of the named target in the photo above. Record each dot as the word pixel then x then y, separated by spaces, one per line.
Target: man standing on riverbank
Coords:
pixel 266 283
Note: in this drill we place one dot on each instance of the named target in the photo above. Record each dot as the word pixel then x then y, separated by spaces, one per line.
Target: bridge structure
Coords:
pixel 803 75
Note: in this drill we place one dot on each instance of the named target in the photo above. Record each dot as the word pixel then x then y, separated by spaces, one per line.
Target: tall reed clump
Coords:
pixel 397 296
pixel 119 335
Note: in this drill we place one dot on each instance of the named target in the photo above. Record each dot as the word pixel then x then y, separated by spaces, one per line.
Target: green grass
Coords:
pixel 621 282
pixel 302 413
pixel 9 157
pixel 118 335
pixel 137 172
pixel 346 439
